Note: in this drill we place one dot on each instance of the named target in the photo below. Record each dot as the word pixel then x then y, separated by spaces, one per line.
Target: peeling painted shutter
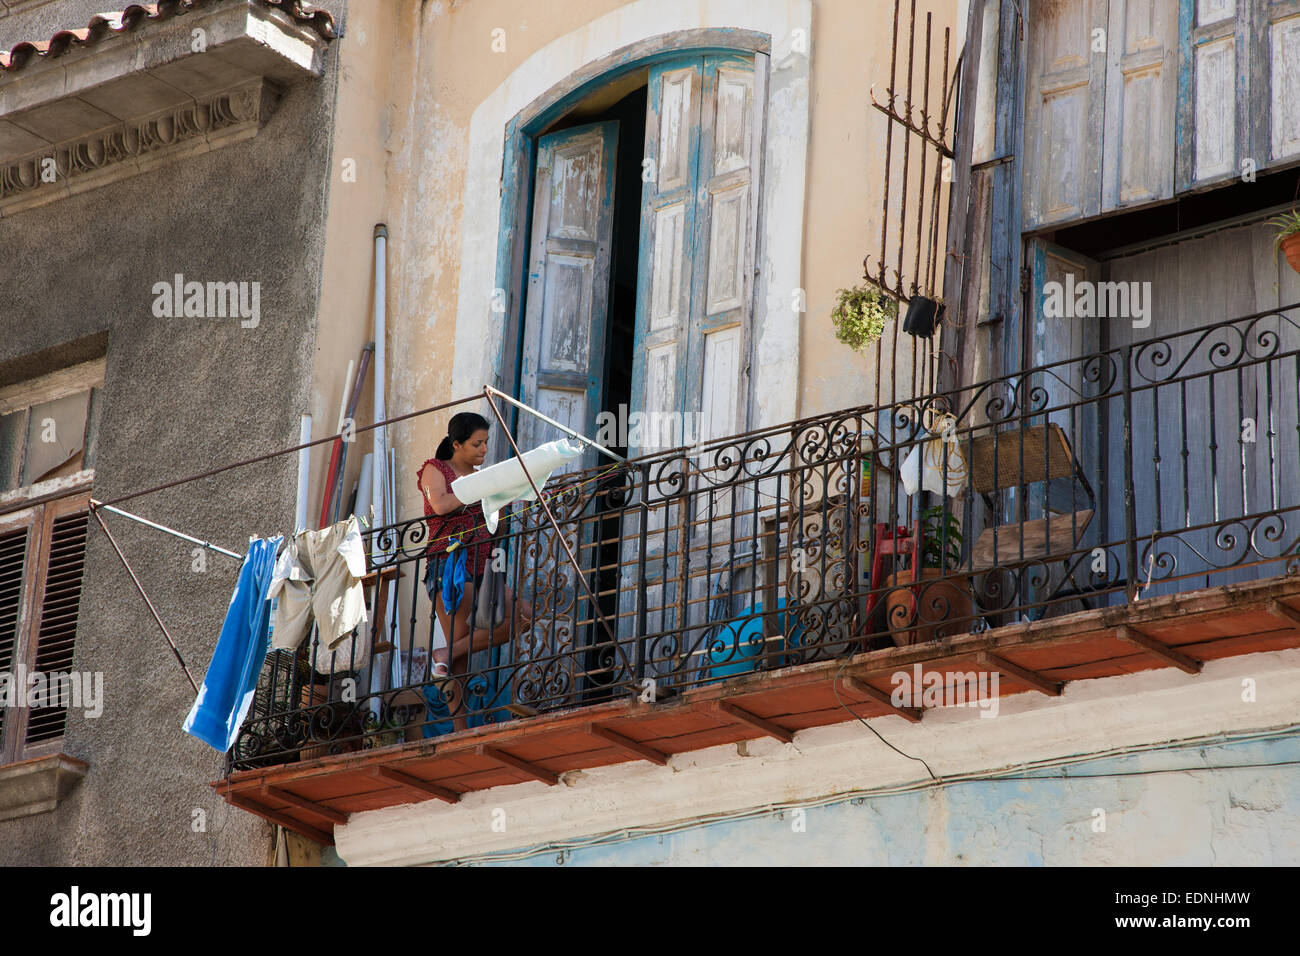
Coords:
pixel 1064 111
pixel 698 213
pixel 695 290
pixel 1141 96
pixel 1213 136
pixel 668 215
pixel 1240 88
pixel 568 281
pixel 1279 39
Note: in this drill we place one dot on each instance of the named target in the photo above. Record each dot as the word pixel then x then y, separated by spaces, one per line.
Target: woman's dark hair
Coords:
pixel 461 426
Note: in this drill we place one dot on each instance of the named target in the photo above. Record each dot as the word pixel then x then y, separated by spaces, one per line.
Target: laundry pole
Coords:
pixel 304 474
pixel 377 482
pixel 379 455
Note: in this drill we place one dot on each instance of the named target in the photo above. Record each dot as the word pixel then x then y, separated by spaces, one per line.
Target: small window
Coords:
pixel 48 426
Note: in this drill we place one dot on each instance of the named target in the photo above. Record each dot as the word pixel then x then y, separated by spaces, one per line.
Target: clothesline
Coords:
pixel 369 554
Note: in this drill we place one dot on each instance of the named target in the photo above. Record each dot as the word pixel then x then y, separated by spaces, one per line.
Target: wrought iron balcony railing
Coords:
pixel 1162 465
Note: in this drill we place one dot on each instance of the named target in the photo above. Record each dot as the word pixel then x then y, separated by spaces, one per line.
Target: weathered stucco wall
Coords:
pixel 1169 808
pixel 358 175
pixel 180 396
pixel 456 83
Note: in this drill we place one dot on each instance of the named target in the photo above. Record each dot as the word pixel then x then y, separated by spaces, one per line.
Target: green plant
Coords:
pixel 860 315
pixel 1287 224
pixel 942 545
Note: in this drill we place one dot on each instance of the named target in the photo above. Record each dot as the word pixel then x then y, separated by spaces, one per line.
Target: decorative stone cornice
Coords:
pixel 133 147
pixel 93 106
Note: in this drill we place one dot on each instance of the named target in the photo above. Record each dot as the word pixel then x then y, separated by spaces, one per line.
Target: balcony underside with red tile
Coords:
pixel 1182 630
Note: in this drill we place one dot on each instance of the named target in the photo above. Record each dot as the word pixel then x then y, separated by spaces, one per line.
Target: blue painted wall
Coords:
pixel 1157 812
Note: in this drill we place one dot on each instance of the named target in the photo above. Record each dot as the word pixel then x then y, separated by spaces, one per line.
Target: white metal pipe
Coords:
pixel 380 461
pixel 364 493
pixel 304 473
pixel 379 453
pixel 172 531
pixel 551 421
pixel 347 390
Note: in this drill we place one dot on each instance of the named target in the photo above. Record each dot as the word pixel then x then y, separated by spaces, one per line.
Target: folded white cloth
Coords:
pixel 498 485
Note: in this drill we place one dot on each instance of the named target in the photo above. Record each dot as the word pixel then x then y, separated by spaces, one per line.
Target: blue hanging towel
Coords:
pixel 231 680
pixel 454 574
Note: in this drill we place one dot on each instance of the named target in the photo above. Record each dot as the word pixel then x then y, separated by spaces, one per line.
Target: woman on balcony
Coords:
pixel 456 582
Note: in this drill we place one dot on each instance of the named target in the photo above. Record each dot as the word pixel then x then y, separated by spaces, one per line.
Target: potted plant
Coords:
pixel 1288 236
pixel 938 595
pixel 860 315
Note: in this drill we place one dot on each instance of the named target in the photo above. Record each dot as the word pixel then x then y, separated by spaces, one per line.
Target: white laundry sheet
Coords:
pixel 498 485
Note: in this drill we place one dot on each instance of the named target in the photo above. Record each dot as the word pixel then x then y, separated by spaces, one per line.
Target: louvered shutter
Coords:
pixel 56 631
pixel 13 563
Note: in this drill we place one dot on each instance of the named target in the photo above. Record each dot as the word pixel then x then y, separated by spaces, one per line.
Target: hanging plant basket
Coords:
pixel 860 315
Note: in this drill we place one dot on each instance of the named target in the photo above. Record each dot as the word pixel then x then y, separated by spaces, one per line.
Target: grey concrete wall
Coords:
pixel 180 396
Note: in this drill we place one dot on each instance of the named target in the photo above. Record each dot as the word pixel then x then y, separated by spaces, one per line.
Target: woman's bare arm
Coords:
pixel 434 487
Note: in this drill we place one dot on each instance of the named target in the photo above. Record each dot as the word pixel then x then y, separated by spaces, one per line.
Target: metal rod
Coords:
pixel 94 510
pixel 488 391
pixel 285 451
pixel 551 421
pixel 172 531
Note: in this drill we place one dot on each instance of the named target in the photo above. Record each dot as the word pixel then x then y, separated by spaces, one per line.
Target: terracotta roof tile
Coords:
pixel 135 16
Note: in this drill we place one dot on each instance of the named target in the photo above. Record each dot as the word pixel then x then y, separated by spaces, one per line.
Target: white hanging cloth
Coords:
pixel 498 485
pixel 934 459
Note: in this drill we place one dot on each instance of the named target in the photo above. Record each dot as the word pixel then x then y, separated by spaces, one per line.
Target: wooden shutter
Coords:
pixel 1278 79
pixel 60 601
pixel 717 377
pixel 1064 111
pixel 15 543
pixel 1239 88
pixel 1141 97
pixel 1212 136
pixel 668 220
pixel 695 291
pixel 568 281
pixel 698 223
pixel 42 557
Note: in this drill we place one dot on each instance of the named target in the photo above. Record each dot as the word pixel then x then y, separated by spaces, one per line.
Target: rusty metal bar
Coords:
pixel 94 510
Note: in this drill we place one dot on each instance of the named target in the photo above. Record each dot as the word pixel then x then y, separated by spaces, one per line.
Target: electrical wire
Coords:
pixel 835 689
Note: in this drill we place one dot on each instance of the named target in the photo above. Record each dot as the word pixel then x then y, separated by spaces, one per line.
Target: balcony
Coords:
pixel 1130 509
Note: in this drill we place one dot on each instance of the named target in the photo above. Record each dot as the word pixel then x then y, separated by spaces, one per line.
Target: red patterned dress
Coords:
pixel 465 523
